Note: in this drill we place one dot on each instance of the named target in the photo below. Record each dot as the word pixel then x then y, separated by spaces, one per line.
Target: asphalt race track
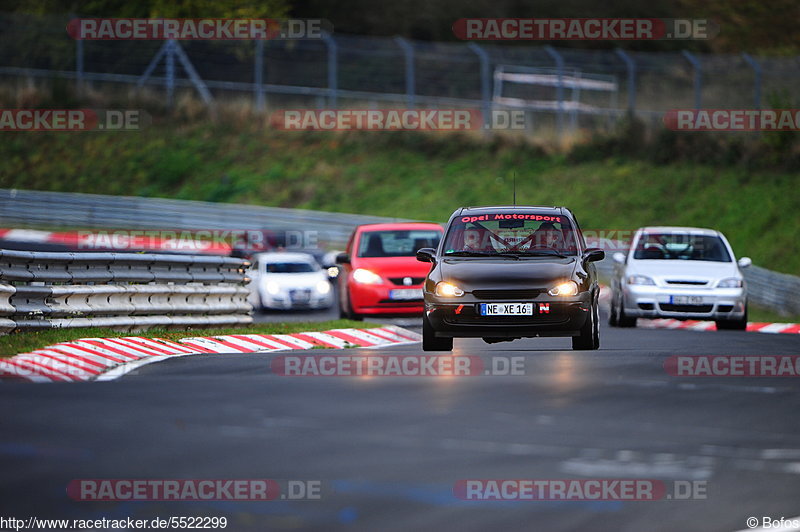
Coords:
pixel 389 450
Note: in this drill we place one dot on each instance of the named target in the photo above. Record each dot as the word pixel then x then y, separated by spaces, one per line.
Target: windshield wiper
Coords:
pixel 478 254
pixel 542 253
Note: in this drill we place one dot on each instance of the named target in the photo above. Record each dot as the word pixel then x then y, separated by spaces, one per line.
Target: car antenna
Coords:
pixel 515 189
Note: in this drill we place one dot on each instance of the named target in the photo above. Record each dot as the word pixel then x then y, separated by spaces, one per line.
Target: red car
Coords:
pixel 380 273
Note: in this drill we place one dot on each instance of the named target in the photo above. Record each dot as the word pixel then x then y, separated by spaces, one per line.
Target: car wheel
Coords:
pixel 429 340
pixel 733 325
pixel 612 313
pixel 346 312
pixel 622 319
pixel 589 338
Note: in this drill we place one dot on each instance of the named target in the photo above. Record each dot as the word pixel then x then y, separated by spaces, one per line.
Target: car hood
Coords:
pixel 294 280
pixel 684 269
pixel 506 273
pixel 394 266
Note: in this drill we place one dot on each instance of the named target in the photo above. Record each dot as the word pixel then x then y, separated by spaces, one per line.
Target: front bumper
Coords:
pixel 460 317
pixel 377 299
pixel 290 301
pixel 647 301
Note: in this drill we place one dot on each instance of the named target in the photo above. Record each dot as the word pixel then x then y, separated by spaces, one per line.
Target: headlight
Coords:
pixel 639 279
pixel 445 289
pixel 360 275
pixel 731 282
pixel 333 271
pixel 570 288
pixel 323 287
pixel 273 288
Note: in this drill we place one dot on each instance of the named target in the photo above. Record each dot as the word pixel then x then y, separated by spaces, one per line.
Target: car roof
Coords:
pixel 547 209
pixel 284 256
pixel 678 229
pixel 402 226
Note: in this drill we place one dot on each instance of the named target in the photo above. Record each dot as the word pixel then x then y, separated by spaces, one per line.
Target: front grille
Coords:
pixel 700 309
pixel 401 302
pixel 508 294
pixel 725 308
pixel 646 306
pixel 399 280
pixel 692 283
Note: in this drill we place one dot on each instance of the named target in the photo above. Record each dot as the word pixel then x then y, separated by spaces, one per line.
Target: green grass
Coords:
pixel 766 315
pixel 25 342
pixel 421 176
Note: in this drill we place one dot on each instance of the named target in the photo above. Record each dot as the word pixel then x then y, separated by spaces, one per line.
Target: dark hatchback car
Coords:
pixel 510 272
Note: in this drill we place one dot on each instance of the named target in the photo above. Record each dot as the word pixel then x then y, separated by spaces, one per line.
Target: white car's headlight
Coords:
pixel 273 288
pixel 445 289
pixel 323 287
pixel 731 282
pixel 640 279
pixel 570 288
pixel 360 275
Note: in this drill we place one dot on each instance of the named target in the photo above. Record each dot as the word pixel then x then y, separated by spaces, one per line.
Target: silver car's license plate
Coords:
pixel 686 300
pixel 506 309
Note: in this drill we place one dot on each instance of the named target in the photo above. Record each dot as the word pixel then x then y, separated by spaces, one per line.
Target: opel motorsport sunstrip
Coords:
pixel 509 272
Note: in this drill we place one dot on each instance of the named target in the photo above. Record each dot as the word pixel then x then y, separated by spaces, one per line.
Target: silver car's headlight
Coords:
pixel 640 279
pixel 323 287
pixel 731 282
pixel 273 288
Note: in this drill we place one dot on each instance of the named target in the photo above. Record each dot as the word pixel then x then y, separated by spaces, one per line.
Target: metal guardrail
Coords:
pixel 62 209
pixel 120 290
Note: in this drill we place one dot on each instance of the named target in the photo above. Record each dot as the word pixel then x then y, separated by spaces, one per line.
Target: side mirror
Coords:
pixel 426 255
pixel 618 257
pixel 342 258
pixel 745 262
pixel 593 254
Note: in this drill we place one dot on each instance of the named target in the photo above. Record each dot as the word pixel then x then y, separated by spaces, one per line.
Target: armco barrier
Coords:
pixel 123 291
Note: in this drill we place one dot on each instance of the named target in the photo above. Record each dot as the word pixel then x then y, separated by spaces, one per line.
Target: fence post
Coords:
pixel 79 64
pixel 170 72
pixel 258 74
pixel 408 51
pixel 630 65
pixel 757 82
pixel 559 60
pixel 486 96
pixel 698 77
pixel 333 70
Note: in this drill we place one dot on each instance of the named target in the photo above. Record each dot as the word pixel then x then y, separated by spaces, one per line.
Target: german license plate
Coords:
pixel 506 309
pixel 686 300
pixel 405 294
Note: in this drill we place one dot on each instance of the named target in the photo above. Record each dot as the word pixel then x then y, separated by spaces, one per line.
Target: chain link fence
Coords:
pixel 356 71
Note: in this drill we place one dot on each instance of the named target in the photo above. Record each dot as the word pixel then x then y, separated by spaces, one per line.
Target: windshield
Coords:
pixel 681 246
pixel 397 243
pixel 291 267
pixel 511 233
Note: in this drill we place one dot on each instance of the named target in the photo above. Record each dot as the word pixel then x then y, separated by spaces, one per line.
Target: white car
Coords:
pixel 285 281
pixel 680 273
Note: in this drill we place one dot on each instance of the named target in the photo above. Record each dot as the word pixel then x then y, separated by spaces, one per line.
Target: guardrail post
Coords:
pixel 698 77
pixel 408 52
pixel 333 70
pixel 486 95
pixel 258 75
pixel 757 82
pixel 630 66
pixel 559 60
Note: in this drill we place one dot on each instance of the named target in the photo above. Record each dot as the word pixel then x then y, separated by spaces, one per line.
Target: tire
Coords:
pixel 346 312
pixel 733 325
pixel 612 314
pixel 430 342
pixel 589 338
pixel 622 319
